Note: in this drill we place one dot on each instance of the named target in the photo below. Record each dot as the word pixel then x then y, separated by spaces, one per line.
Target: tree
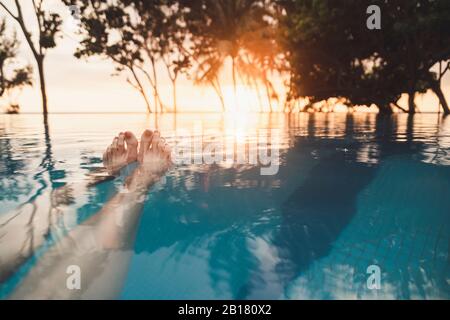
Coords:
pixel 225 29
pixel 327 53
pixel 437 86
pixel 263 55
pixel 172 43
pixel 49 25
pixel 415 39
pixel 184 36
pixel 103 22
pixel 20 75
pixel 332 53
pixel 135 35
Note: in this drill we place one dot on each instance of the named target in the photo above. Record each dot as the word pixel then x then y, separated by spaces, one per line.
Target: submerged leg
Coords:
pixel 25 229
pixel 102 246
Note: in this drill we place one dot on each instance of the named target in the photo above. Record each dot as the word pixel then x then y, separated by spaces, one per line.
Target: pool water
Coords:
pixel 352 191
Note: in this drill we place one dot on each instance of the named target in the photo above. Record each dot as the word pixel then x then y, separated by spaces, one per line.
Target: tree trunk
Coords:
pixel 40 63
pixel 258 93
pixel 219 93
pixel 411 104
pixel 174 92
pixel 269 98
pixel 38 55
pixel 438 91
pixel 141 89
pixel 2 81
pixel 233 70
pixel 384 108
pixel 147 103
pixel 222 101
pixel 155 86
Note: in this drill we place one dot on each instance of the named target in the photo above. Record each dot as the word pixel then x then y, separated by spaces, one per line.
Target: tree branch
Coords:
pixel 2 82
pixel 27 35
pixel 133 85
pixel 395 104
pixel 37 11
pixel 9 12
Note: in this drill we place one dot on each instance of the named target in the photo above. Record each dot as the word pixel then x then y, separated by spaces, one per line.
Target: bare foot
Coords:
pixel 154 158
pixel 122 151
pixel 154 153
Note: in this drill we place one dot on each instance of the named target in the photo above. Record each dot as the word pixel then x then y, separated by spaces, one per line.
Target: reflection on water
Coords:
pixel 351 191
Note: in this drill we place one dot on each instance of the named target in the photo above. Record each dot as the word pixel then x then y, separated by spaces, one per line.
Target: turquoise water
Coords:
pixel 351 191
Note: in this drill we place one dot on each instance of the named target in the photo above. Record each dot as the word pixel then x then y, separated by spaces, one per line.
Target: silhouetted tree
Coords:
pixel 264 55
pixel 20 75
pixel 227 29
pixel 109 32
pixel 191 37
pixel 172 44
pixel 135 35
pixel 415 38
pixel 332 53
pixel 49 25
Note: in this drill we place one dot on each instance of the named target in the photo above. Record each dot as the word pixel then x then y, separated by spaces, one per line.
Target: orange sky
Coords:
pixel 87 86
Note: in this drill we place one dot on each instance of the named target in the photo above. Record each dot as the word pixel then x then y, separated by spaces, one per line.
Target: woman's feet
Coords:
pixel 154 155
pixel 154 152
pixel 154 158
pixel 121 152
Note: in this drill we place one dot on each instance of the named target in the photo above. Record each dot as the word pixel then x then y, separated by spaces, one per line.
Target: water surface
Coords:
pixel 351 191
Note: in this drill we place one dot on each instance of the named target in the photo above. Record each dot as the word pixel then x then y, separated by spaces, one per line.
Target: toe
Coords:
pixel 146 140
pixel 161 146
pixel 167 151
pixel 121 142
pixel 132 144
pixel 107 157
pixel 130 139
pixel 115 144
pixel 155 142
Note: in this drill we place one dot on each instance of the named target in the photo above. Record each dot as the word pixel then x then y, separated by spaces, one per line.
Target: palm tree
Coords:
pixel 261 56
pixel 222 30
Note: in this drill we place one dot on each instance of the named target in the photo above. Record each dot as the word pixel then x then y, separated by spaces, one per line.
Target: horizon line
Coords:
pixel 210 112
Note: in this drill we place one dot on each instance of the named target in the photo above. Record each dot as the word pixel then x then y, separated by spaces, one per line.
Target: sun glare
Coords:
pixel 244 101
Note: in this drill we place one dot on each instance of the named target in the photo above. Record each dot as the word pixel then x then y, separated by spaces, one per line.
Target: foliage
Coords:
pixel 134 34
pixel 49 27
pixel 333 54
pixel 243 31
pixel 19 76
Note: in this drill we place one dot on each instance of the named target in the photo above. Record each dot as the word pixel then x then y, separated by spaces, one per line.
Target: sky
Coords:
pixel 75 85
